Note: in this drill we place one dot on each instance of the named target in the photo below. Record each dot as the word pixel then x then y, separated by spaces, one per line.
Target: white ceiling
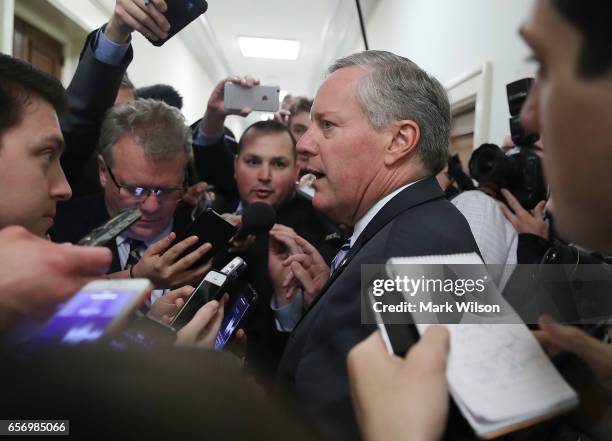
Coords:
pixel 326 30
pixel 304 21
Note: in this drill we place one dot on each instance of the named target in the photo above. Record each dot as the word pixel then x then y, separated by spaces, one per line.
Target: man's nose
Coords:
pixel 264 173
pixel 150 204
pixel 530 113
pixel 60 188
pixel 306 145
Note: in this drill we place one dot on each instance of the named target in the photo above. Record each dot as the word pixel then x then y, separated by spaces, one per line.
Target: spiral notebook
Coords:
pixel 498 375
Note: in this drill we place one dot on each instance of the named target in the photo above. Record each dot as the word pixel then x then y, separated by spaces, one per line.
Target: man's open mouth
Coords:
pixel 317 174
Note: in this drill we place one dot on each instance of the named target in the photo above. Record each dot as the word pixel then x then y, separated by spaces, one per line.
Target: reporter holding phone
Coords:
pixel 145 147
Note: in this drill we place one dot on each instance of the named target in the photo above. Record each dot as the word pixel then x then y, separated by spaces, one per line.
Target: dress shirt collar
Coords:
pixel 363 222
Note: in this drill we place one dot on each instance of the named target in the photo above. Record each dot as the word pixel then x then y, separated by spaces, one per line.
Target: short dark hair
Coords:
pixel 161 92
pixel 126 83
pixel 300 104
pixel 592 19
pixel 266 127
pixel 19 82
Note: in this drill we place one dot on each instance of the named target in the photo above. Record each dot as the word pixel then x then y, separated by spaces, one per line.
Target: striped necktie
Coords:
pixel 135 253
pixel 337 262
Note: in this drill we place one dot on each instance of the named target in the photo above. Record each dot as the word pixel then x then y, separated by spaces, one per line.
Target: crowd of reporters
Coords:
pixel 71 160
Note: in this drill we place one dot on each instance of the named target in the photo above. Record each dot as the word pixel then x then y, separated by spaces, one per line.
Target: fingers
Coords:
pixel 538 211
pixel 431 351
pixel 189 333
pixel 89 261
pixel 141 18
pixel 367 355
pixel 161 246
pixel 302 259
pixel 178 294
pixel 572 339
pixel 304 278
pixel 508 214
pixel 244 81
pixel 160 5
pixel 308 248
pixel 191 258
pixel 512 201
pixel 288 241
pixel 546 343
pixel 178 249
pixel 156 19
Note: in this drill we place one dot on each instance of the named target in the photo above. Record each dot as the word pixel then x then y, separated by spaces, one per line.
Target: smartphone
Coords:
pixel 210 227
pixel 263 98
pixel 112 228
pixel 179 14
pixel 234 314
pixel 212 287
pixel 100 308
pixel 398 338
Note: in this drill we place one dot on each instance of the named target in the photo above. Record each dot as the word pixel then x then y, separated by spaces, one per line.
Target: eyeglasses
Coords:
pixel 140 194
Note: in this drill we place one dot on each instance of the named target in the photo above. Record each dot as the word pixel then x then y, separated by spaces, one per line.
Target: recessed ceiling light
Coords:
pixel 255 47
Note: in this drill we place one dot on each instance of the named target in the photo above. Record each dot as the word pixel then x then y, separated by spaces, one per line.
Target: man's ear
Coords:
pixel 406 136
pixel 102 171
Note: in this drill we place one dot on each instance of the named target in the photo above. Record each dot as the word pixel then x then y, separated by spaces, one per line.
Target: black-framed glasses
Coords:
pixel 140 194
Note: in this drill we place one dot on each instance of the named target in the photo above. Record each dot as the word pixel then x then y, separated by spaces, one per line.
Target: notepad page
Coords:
pixel 497 373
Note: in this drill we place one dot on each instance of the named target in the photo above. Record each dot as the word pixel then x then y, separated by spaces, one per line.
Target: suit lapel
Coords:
pixel 417 194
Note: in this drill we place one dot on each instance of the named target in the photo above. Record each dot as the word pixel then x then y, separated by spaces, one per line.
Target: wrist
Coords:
pixel 116 33
pixel 213 122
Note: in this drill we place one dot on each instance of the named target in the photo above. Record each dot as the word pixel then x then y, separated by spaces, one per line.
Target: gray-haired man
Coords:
pixel 145 146
pixel 379 136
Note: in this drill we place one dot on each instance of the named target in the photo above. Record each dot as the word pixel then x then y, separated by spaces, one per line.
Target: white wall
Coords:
pixel 171 64
pixel 448 38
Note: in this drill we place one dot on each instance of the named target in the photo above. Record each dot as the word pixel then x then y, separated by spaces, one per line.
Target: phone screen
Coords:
pixel 232 319
pixel 86 316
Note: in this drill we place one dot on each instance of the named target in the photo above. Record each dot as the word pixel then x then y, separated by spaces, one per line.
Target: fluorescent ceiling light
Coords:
pixel 255 47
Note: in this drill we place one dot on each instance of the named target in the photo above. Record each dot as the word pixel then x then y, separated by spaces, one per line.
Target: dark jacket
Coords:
pixel 418 221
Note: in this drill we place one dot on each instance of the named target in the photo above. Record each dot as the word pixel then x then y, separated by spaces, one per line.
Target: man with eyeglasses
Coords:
pixel 144 150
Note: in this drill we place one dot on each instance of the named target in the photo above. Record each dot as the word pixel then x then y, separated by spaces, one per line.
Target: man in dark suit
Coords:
pixel 379 136
pixel 145 147
pixel 266 170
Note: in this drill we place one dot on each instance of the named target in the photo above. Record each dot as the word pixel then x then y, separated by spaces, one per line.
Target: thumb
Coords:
pixel 538 211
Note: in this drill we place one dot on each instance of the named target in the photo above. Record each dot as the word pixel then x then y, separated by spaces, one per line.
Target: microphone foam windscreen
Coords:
pixel 258 218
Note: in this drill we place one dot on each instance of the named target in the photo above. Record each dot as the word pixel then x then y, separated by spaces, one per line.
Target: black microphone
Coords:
pixel 257 218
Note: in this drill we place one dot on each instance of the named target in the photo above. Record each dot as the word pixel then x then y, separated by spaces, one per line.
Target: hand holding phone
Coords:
pixel 144 16
pixel 168 264
pixel 202 329
pixel 179 13
pixel 100 308
pixel 262 98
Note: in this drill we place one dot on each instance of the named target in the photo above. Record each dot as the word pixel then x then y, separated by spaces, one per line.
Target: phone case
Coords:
pixel 179 14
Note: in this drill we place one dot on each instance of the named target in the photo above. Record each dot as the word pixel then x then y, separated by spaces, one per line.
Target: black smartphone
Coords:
pixel 209 227
pixel 212 287
pixel 179 14
pixel 235 313
pixel 112 228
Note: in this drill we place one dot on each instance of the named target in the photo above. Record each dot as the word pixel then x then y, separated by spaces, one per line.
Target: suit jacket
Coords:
pixel 417 221
pixel 91 93
pixel 77 217
pixel 215 165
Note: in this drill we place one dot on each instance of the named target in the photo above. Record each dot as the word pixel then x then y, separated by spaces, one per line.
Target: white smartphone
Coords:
pixel 100 308
pixel 262 98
